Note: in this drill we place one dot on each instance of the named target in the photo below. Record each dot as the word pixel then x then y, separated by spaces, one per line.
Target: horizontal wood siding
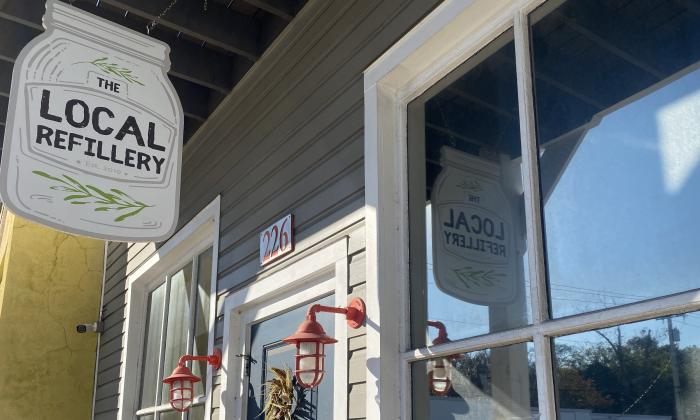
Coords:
pixel 288 139
pixel 122 259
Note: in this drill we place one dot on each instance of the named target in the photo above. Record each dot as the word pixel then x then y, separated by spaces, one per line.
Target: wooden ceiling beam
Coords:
pixel 203 66
pixel 218 26
pixel 27 12
pixel 5 77
pixel 14 37
pixel 3 109
pixel 194 98
pixel 285 9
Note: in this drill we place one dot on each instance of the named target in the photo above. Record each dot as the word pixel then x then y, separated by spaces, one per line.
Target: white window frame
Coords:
pixel 444 39
pixel 322 273
pixel 201 233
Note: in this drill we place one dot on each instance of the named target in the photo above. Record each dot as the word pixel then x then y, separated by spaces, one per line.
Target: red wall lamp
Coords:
pixel 310 340
pixel 182 381
pixel 440 369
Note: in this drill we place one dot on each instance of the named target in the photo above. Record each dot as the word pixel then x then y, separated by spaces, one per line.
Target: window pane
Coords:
pixel 196 413
pixel 170 415
pixel 496 383
pixel 647 368
pixel 201 331
pixel 618 124
pixel 467 236
pixel 178 322
pixel 151 354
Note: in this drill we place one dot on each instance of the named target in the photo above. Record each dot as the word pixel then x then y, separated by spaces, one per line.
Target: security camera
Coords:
pixel 95 327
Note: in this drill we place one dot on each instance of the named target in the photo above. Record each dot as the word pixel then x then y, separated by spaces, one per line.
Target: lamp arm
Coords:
pixel 212 359
pixel 442 331
pixel 354 312
pixel 314 309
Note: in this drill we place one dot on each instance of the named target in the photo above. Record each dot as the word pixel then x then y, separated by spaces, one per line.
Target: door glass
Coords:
pixel 491 384
pixel 267 350
pixel 467 220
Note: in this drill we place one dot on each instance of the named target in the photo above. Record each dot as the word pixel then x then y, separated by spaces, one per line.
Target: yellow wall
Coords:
pixel 50 282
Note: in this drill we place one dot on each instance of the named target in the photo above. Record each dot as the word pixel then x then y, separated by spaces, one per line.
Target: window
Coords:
pixel 466 204
pixel 647 368
pixel 618 129
pixel 547 194
pixel 493 383
pixel 177 324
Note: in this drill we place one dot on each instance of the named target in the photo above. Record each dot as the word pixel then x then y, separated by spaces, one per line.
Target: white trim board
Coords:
pixel 321 273
pixel 199 234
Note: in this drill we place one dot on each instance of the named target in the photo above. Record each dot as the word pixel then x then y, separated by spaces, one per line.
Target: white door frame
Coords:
pixel 321 273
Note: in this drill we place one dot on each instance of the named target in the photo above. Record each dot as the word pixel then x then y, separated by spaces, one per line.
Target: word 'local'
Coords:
pixel 476 225
pixel 79 116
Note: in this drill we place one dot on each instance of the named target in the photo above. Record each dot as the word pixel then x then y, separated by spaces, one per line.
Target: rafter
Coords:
pixel 14 37
pixel 285 9
pixel 5 77
pixel 220 27
pixel 606 45
pixel 27 13
pixel 3 108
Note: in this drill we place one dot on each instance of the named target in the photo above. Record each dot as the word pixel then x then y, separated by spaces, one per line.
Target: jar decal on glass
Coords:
pixel 94 131
pixel 473 231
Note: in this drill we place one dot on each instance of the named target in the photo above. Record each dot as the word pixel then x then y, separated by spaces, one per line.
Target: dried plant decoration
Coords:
pixel 279 395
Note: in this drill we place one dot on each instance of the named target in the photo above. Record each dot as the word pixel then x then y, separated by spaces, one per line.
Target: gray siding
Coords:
pixel 122 259
pixel 289 138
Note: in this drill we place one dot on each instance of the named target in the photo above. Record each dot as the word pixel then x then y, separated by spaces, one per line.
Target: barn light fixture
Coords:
pixel 182 381
pixel 310 340
pixel 440 369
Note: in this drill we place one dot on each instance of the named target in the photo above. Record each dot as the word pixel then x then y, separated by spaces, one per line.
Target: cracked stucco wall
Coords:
pixel 50 282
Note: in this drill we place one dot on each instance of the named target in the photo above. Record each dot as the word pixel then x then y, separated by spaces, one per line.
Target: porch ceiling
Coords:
pixel 210 50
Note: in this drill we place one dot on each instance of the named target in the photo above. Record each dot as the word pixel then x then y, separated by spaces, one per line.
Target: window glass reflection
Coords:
pixel 178 322
pixel 618 119
pixel 649 369
pixel 467 237
pixel 149 372
pixel 491 384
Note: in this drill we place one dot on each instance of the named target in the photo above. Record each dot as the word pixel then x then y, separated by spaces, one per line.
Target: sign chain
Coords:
pixel 152 24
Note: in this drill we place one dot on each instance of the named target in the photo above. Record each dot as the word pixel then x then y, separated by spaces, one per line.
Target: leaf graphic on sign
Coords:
pixel 471 185
pixel 471 277
pixel 114 69
pixel 79 194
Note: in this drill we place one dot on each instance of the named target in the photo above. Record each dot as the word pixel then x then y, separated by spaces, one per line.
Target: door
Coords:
pixel 267 350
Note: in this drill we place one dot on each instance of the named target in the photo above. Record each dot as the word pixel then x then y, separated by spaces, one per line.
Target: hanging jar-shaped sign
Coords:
pixel 94 130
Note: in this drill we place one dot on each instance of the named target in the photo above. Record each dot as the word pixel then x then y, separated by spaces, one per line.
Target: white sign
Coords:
pixel 94 131
pixel 474 255
pixel 277 240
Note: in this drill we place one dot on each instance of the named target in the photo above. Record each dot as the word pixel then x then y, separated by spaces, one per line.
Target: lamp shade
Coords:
pixel 440 376
pixel 310 340
pixel 181 383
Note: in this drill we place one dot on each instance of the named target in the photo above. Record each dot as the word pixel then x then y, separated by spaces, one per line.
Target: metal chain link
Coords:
pixel 152 24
